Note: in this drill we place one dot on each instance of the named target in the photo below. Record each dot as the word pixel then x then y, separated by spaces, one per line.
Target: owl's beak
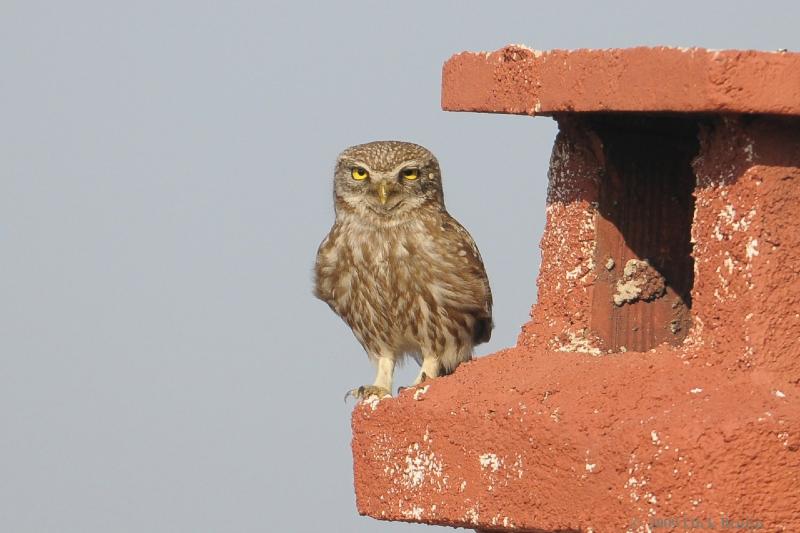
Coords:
pixel 383 192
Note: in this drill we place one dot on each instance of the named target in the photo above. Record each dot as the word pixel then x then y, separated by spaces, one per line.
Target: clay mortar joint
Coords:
pixel 519 80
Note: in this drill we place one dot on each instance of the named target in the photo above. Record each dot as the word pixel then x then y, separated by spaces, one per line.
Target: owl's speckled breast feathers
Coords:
pixel 402 273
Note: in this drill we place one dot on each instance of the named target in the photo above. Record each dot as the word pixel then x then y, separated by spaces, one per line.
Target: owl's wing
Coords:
pixel 468 265
pixel 326 272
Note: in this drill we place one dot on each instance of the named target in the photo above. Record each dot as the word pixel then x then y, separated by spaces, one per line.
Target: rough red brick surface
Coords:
pixel 569 431
pixel 519 80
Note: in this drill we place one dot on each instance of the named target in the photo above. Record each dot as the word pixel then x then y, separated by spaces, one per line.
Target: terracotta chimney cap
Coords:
pixel 657 384
pixel 519 80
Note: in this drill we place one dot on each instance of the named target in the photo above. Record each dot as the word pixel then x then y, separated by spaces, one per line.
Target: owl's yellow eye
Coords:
pixel 359 173
pixel 410 173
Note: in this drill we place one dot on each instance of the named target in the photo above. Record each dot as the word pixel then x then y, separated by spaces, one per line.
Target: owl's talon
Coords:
pixel 422 378
pixel 366 391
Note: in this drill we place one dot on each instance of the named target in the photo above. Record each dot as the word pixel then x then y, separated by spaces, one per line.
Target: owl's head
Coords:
pixel 387 179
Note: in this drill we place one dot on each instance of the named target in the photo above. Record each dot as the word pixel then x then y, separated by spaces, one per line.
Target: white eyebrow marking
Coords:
pixel 406 164
pixel 356 163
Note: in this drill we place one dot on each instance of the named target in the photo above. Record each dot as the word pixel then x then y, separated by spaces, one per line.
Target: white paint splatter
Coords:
pixel 751 248
pixel 490 460
pixel 415 513
pixel 420 392
pixel 419 465
pixel 576 342
pixel 654 437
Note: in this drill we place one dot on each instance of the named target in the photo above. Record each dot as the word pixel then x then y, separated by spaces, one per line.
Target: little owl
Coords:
pixel 400 271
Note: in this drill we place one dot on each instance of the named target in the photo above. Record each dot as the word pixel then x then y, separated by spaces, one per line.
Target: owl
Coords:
pixel 397 268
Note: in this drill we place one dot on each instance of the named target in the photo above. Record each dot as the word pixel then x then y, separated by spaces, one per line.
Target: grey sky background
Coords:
pixel 165 179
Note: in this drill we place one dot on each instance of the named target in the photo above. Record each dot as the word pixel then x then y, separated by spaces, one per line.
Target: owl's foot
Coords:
pixel 365 391
pixel 422 377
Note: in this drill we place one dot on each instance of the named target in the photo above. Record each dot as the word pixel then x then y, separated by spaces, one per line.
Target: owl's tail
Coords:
pixel 445 371
pixel 482 330
pixel 448 367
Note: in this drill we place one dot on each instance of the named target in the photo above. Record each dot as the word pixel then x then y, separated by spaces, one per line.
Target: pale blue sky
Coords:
pixel 165 176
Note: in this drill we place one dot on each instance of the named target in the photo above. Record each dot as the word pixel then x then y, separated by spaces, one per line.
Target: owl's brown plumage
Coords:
pixel 402 273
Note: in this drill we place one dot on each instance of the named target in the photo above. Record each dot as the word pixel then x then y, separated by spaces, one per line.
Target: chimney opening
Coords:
pixel 642 296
